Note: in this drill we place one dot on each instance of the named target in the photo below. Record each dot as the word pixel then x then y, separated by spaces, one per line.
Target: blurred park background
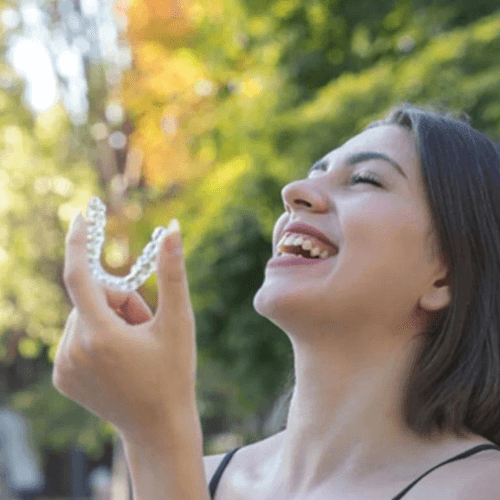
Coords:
pixel 200 110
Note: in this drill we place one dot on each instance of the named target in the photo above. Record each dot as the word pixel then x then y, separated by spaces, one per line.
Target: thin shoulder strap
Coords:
pixel 465 454
pixel 214 482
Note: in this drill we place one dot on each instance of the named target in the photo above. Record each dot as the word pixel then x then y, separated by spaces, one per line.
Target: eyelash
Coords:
pixel 368 178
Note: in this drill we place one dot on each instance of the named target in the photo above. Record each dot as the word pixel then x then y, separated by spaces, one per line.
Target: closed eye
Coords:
pixel 369 178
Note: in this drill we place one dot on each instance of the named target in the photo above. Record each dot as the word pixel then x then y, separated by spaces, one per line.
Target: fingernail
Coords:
pixel 73 223
pixel 174 226
pixel 173 239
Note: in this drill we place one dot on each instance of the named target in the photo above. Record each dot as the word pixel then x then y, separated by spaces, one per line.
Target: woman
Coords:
pixel 390 309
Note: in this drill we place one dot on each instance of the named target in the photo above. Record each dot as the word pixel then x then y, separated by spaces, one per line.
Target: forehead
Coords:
pixel 393 140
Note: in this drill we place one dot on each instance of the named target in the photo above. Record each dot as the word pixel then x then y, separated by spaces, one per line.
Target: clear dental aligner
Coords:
pixel 141 270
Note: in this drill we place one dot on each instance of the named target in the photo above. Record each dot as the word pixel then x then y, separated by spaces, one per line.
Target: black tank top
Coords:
pixel 218 473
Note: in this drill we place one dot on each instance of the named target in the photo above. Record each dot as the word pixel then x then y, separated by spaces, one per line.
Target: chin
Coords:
pixel 276 305
pixel 262 303
pixel 267 301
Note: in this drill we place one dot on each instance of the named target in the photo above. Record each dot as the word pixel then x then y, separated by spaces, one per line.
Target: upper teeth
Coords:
pixel 306 243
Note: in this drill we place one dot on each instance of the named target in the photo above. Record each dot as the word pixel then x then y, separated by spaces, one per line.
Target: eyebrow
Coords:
pixel 360 157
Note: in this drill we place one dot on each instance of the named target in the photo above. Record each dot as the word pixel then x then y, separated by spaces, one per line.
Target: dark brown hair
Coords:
pixel 455 381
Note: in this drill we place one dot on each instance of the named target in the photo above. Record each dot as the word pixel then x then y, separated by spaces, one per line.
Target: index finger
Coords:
pixel 86 295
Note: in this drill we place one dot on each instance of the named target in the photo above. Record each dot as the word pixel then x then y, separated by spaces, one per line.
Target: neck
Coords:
pixel 345 419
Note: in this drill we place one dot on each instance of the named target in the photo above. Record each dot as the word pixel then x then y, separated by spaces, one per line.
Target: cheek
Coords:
pixel 278 227
pixel 409 236
pixel 387 237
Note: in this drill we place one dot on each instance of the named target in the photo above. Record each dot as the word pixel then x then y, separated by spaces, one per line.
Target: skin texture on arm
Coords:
pixel 169 470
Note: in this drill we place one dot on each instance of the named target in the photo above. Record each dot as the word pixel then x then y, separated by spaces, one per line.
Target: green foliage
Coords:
pixel 41 189
pixel 293 81
pixel 418 56
pixel 44 180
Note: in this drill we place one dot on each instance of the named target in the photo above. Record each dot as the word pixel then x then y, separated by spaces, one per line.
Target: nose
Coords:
pixel 304 195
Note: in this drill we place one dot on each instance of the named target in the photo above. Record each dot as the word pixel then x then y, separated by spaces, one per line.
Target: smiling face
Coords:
pixel 375 211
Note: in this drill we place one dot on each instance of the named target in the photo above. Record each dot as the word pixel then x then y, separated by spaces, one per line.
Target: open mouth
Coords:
pixel 299 252
pixel 305 246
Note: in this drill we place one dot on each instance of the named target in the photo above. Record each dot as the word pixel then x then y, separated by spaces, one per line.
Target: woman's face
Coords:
pixel 374 210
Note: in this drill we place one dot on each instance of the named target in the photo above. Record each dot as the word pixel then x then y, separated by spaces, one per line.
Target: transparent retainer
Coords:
pixel 145 265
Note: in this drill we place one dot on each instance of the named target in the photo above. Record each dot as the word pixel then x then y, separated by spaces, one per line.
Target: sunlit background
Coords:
pixel 200 110
pixel 44 52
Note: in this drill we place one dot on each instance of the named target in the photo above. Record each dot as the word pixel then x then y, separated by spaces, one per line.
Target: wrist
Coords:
pixel 168 431
pixel 170 467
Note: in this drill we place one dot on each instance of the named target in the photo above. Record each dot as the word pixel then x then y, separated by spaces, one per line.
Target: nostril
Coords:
pixel 303 202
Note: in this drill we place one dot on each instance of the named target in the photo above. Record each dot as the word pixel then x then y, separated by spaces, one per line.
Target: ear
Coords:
pixel 438 295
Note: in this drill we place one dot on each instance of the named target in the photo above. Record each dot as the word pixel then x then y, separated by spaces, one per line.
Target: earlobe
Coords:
pixel 438 294
pixel 438 297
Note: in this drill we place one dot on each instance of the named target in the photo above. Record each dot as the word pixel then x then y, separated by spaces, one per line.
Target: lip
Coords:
pixel 294 260
pixel 303 228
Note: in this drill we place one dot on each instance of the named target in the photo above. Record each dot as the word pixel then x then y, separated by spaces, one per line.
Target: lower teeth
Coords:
pixel 298 255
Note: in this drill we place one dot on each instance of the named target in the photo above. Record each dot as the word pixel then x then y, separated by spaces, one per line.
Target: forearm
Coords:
pixel 172 469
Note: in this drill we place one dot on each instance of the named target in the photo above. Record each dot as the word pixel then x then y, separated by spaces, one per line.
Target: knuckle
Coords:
pixel 57 378
pixel 175 274
pixel 69 366
pixel 82 355
pixel 93 349
pixel 61 375
pixel 71 321
pixel 75 238
pixel 74 318
pixel 90 351
pixel 74 356
pixel 72 276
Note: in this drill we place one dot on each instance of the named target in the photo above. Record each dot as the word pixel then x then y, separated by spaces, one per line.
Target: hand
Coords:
pixel 130 367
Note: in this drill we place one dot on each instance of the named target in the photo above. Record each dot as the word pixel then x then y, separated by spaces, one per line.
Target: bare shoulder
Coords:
pixel 211 463
pixel 477 477
pixel 244 465
pixel 482 478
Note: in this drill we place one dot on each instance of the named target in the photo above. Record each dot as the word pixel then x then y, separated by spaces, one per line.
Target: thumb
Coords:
pixel 173 290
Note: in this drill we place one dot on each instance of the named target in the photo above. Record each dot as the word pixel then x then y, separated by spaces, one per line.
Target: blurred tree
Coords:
pixel 285 83
pixel 224 103
pixel 47 173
